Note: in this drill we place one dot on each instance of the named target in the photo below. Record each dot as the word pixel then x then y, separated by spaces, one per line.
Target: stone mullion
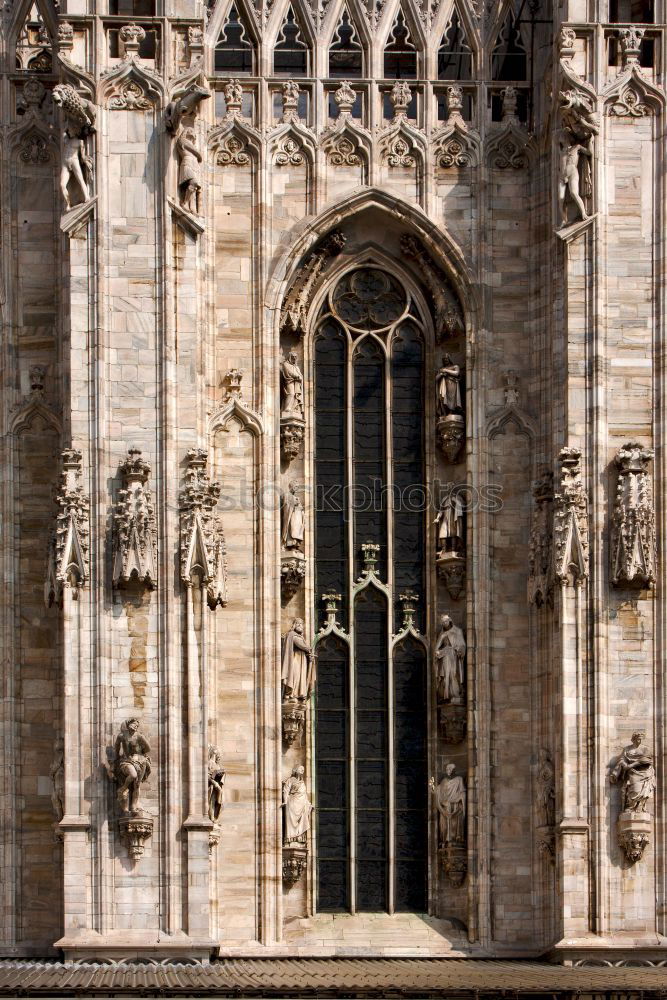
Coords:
pixel 573 832
pixel 266 400
pixel 660 474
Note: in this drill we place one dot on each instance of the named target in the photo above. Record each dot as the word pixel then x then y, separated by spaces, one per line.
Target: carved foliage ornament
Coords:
pixel 448 312
pixel 629 104
pixel 135 530
pixel 295 309
pixel 232 151
pixel 343 153
pixel 203 551
pixel 68 553
pixel 130 97
pixel 633 521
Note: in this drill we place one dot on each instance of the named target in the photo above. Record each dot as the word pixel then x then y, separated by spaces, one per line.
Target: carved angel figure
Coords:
pixel 635 769
pixel 132 766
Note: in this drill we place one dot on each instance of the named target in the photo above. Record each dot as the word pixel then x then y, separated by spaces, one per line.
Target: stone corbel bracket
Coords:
pixel 74 222
pixel 191 224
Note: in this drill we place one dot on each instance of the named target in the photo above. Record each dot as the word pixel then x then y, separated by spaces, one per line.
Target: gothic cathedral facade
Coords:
pixel 333 428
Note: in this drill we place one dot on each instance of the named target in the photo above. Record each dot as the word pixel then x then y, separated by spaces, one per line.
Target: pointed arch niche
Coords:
pixel 369 354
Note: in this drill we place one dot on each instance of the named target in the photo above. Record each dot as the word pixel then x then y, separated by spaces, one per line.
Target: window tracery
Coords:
pixel 234 50
pixel 454 54
pixel 345 51
pixel 291 51
pixel 370 719
pixel 400 53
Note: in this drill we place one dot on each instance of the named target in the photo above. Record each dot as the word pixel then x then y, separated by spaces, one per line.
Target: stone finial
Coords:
pixel 633 545
pixel 135 526
pixel 370 554
pixel 566 43
pixel 454 104
pixel 509 96
pixel 408 601
pixel 511 380
pixel 345 97
pixel 68 551
pixel 232 381
pixel 233 92
pixel 65 36
pixel 203 550
pixel 630 39
pixel 570 521
pixel 400 98
pixel 131 36
pixel 290 98
pixel 331 600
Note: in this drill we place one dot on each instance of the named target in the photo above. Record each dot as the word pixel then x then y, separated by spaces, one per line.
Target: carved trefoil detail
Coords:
pixel 633 548
pixel 203 550
pixel 68 551
pixel 135 527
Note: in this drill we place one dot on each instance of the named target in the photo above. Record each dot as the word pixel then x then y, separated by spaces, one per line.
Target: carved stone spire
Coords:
pixel 203 551
pixel 633 519
pixel 571 521
pixel 68 552
pixel 135 527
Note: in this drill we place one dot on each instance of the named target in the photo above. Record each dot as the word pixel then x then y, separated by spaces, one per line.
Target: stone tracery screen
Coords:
pixel 371 716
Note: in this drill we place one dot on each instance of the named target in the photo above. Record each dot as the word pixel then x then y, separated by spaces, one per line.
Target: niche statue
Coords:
pixel 635 771
pixel 131 767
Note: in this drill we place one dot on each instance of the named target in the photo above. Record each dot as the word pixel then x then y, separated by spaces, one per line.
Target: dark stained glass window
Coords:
pixel 371 724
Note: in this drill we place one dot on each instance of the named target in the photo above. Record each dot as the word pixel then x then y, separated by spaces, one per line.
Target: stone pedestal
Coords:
pixel 291 436
pixel 452 723
pixel 454 861
pixel 294 715
pixel 292 573
pixel 451 568
pixel 295 859
pixel 634 834
pixel 450 434
pixel 134 832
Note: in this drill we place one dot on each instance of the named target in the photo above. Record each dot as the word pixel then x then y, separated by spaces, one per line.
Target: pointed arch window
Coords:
pixel 234 50
pixel 291 52
pixel 400 52
pixel 454 54
pixel 345 51
pixel 508 59
pixel 370 710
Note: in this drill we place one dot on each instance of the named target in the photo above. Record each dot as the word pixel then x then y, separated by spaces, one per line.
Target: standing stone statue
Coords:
pixel 451 530
pixel 546 789
pixel 291 383
pixel 216 781
pixel 292 519
pixel 132 766
pixel 298 666
pixel 76 165
pixel 450 651
pixel 635 769
pixel 296 809
pixel 189 171
pixel 450 799
pixel 569 177
pixel 448 387
pixel 58 779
